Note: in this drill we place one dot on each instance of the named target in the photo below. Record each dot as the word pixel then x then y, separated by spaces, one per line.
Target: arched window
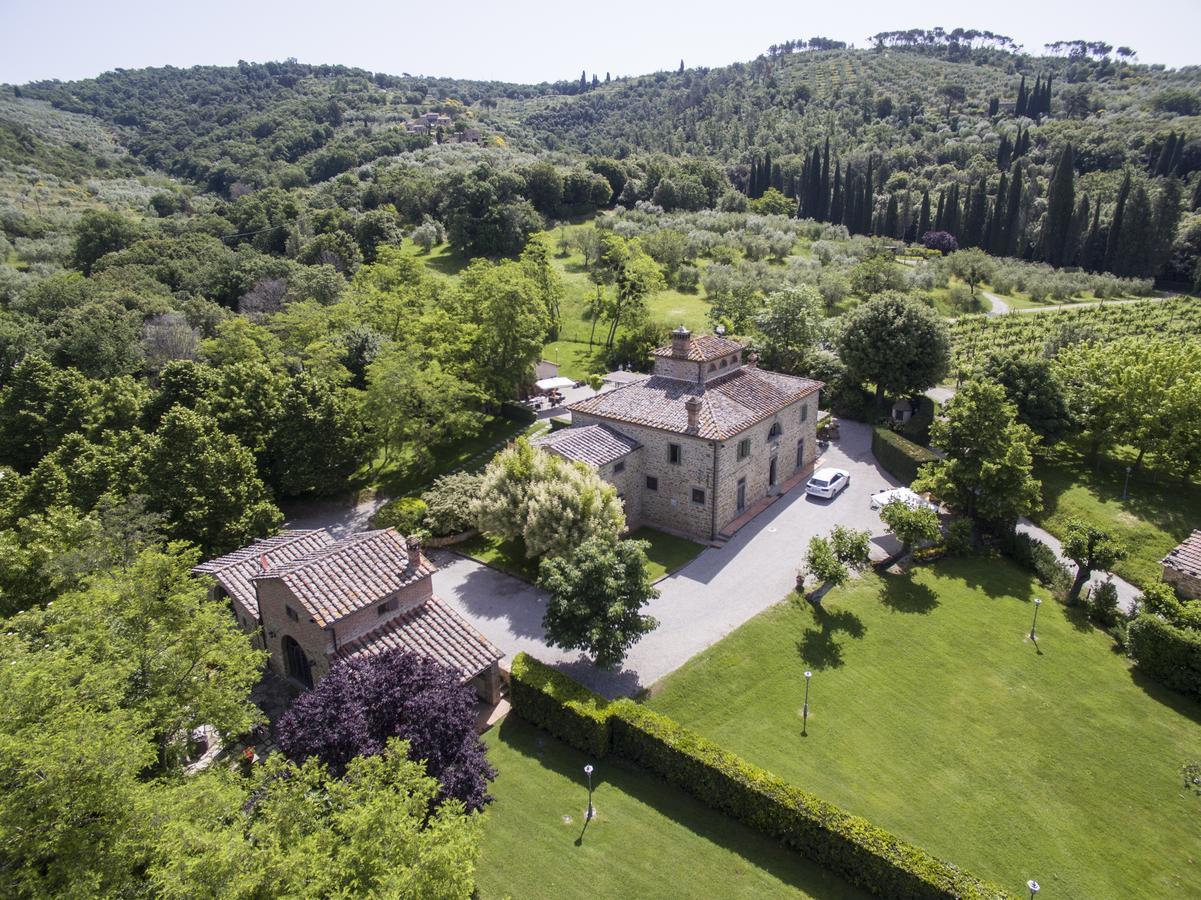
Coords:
pixel 712 367
pixel 296 664
pixel 775 431
pixel 724 363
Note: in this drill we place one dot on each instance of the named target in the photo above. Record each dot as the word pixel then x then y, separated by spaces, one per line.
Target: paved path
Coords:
pixel 1127 593
pixel 998 306
pixel 701 603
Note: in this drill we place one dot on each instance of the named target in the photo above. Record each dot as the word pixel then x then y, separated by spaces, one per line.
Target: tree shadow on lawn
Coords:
pixel 901 593
pixel 1161 693
pixel 669 801
pixel 819 647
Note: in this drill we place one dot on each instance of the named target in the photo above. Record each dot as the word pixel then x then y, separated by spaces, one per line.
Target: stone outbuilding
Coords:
pixel 311 601
pixel 696 445
pixel 1182 567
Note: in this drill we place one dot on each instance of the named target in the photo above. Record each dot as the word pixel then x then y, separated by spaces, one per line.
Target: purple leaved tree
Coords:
pixel 942 241
pixel 362 703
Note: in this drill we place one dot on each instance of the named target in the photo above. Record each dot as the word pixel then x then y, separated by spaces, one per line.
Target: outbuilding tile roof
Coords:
pixel 704 347
pixel 595 445
pixel 235 570
pixel 729 404
pixel 434 630
pixel 350 574
pixel 1186 558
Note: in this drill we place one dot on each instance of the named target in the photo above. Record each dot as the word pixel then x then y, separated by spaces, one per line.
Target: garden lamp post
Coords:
pixel 588 772
pixel 805 708
pixel 1033 886
pixel 1037 604
pixel 1126 484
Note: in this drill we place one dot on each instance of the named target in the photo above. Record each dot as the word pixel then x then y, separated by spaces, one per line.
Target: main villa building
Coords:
pixel 696 445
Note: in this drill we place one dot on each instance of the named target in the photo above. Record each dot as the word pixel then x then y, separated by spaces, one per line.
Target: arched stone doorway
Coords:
pixel 296 664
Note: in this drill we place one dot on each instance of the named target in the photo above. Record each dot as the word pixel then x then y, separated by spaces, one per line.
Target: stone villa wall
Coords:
pixel 317 643
pixel 1187 586
pixel 629 483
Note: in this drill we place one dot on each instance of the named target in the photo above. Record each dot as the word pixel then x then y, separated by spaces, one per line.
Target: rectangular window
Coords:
pixel 804 412
pixel 619 467
pixel 675 455
pixel 292 614
pixel 652 483
pixel 698 496
pixel 800 453
pixel 386 607
pixel 744 448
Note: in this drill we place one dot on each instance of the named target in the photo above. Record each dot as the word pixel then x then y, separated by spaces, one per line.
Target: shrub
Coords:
pixel 517 412
pixel 405 514
pixel 959 537
pixel 1035 556
pixel 899 456
pixel 1103 604
pixel 559 704
pixel 1170 655
pixel 448 503
pixel 852 847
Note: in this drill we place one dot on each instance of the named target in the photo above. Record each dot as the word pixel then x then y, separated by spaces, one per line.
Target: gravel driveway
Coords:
pixel 702 602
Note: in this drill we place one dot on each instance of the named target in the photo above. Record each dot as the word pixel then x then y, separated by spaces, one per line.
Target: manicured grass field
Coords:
pixel 1154 518
pixel 934 716
pixel 665 554
pixel 648 839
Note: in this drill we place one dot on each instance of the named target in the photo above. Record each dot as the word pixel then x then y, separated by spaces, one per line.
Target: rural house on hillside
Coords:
pixel 701 441
pixel 312 601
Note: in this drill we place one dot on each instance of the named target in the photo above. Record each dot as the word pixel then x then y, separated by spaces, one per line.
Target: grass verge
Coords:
pixel 934 716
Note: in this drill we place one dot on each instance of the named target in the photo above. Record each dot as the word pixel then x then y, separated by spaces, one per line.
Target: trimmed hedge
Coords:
pixel 900 457
pixel 852 847
pixel 1170 655
pixel 517 412
pixel 561 705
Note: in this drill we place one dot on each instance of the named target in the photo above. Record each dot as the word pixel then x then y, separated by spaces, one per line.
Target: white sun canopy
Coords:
pixel 550 384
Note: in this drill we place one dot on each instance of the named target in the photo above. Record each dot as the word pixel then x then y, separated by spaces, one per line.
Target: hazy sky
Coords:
pixel 528 40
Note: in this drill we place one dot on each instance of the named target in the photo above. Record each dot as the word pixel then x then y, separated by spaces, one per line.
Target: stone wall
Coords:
pixel 1187 586
pixel 629 483
pixel 317 643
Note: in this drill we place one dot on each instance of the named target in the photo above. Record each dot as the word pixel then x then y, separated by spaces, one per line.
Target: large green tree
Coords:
pixel 791 323
pixel 1092 549
pixel 895 343
pixel 206 483
pixel 987 472
pixel 597 592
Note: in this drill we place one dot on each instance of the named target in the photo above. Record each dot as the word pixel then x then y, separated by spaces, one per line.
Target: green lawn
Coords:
pixel 406 473
pixel 648 839
pixel 665 554
pixel 1151 521
pixel 934 716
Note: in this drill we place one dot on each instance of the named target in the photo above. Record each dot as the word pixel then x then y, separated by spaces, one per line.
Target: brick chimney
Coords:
pixel 681 342
pixel 752 360
pixel 413 545
pixel 693 406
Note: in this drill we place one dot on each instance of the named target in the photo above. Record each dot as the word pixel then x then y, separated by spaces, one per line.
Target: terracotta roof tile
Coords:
pixel 1186 558
pixel 434 630
pixel 595 445
pixel 729 404
pixel 350 574
pixel 704 347
pixel 235 570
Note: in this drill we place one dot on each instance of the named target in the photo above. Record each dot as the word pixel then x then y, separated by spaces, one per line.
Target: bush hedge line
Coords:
pixel 900 457
pixel 1170 655
pixel 561 705
pixel 852 847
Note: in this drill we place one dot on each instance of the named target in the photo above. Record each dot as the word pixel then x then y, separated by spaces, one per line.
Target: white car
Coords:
pixel 828 482
pixel 904 495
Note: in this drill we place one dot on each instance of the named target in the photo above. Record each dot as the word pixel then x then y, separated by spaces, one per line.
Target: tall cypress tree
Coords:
pixel 996 221
pixel 823 198
pixel 765 173
pixel 940 217
pixel 892 223
pixel 1092 256
pixel 837 196
pixel 1114 238
pixel 1019 108
pixel 951 215
pixel 1164 160
pixel 923 217
pixel 973 229
pixel 1174 165
pixel 1034 104
pixel 1011 234
pixel 1046 109
pixel 869 203
pixel 1004 153
pixel 1061 203
pixel 1136 250
pixel 1164 220
pixel 1075 241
